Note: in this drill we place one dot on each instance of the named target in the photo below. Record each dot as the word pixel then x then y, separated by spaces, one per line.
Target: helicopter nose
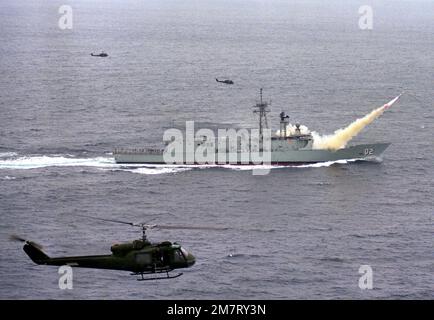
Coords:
pixel 190 260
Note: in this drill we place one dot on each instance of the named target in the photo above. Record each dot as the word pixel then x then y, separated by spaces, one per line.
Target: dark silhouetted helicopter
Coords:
pixel 224 81
pixel 102 54
pixel 141 257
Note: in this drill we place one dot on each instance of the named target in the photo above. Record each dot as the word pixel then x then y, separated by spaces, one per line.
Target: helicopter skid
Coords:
pixel 160 278
pixel 167 276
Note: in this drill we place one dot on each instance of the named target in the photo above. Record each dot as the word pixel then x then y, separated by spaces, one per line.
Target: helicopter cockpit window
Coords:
pixel 178 256
pixel 184 252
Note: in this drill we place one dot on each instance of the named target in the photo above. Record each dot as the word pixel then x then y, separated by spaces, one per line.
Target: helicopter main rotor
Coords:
pixel 146 225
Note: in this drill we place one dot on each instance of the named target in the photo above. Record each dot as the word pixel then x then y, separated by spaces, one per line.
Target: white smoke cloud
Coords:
pixel 291 130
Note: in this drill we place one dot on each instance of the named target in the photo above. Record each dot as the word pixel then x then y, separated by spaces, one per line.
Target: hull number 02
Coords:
pixel 369 151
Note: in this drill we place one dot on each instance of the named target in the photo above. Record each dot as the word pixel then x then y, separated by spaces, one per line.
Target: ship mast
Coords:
pixel 262 109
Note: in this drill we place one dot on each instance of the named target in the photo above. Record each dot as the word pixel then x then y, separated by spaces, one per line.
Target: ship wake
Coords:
pixel 17 162
pixel 102 163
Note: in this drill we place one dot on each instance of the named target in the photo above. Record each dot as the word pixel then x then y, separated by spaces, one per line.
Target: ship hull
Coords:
pixel 362 151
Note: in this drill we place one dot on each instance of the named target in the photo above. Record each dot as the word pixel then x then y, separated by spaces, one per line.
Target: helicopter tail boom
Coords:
pixel 36 254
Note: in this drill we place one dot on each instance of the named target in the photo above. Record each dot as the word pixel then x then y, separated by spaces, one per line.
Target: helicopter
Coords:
pixel 224 81
pixel 102 54
pixel 141 257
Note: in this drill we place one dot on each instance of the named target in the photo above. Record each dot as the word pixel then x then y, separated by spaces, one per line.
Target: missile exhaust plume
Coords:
pixel 341 137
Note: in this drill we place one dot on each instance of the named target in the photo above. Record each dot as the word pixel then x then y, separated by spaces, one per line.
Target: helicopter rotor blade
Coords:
pixel 14 237
pixel 158 226
pixel 109 220
pixel 148 225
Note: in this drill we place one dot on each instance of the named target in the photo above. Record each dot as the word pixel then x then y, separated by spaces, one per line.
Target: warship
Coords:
pixel 291 145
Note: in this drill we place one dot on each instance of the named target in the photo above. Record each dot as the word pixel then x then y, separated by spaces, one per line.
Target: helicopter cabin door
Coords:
pixel 143 259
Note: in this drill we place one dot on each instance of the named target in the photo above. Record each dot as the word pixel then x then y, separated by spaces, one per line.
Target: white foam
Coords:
pixel 7 178
pixel 270 167
pixel 251 167
pixel 104 163
pixel 156 170
pixel 7 154
pixel 327 163
pixel 35 162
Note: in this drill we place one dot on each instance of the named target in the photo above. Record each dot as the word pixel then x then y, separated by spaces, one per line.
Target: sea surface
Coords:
pixel 296 233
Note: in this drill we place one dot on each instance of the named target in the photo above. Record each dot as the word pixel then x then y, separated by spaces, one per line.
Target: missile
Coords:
pixel 391 102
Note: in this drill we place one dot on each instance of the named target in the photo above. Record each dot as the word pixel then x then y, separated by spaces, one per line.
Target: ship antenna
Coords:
pixel 262 110
pixel 144 239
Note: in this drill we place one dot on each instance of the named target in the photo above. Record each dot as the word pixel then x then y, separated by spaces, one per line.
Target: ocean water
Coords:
pixel 296 233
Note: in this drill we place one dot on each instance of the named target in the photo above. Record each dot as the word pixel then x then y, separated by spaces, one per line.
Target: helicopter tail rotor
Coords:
pixel 15 237
pixel 33 249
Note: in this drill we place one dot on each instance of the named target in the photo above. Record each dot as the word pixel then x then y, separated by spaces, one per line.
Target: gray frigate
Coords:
pixel 291 145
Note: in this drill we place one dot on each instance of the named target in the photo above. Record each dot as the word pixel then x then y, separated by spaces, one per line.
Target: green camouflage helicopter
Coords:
pixel 141 257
